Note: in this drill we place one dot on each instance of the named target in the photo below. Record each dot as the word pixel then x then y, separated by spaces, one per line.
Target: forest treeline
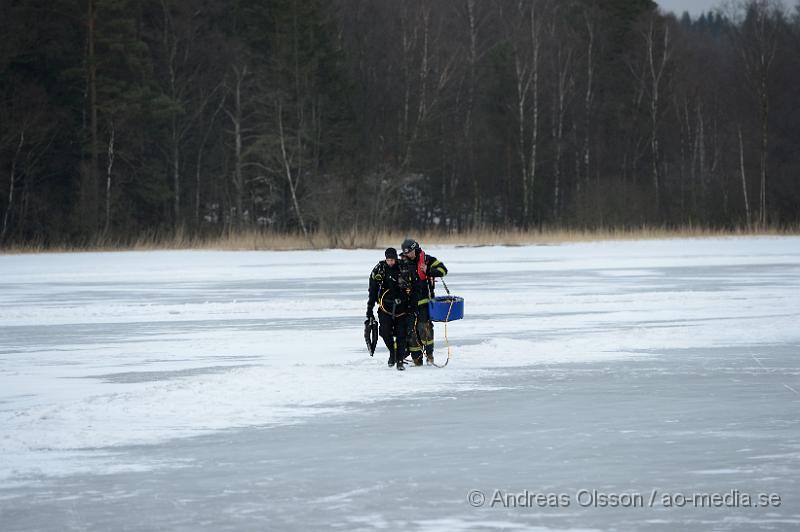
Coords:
pixel 124 117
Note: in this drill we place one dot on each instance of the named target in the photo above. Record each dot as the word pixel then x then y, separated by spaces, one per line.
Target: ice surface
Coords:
pixel 233 389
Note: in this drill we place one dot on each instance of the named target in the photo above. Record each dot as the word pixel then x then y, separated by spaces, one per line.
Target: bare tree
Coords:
pixel 692 166
pixel 588 100
pixel 756 39
pixel 292 180
pixel 523 25
pixel 26 134
pixel 744 177
pixel 89 182
pixel 182 72
pixel 562 58
pixel 170 46
pixel 12 183
pixel 659 51
pixel 472 58
pixel 636 143
pixel 699 168
pixel 236 117
pixel 109 168
pixel 408 42
pixel 201 150
pixel 432 74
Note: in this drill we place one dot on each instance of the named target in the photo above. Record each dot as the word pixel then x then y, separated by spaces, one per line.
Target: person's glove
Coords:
pixel 370 315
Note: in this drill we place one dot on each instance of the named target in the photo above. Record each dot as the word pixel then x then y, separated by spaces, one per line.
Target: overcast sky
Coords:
pixel 694 7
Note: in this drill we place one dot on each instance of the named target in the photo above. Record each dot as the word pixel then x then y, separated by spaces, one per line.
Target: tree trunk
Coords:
pixel 11 183
pixel 744 178
pixel 701 157
pixel 522 93
pixel 473 61
pixel 198 166
pixel 236 120
pixel 422 75
pixel 758 44
pixel 407 44
pixel 713 171
pixel 535 46
pixel 176 176
pixel 526 70
pixel 563 63
pixel 238 180
pixel 680 114
pixel 763 159
pixel 170 51
pixel 109 167
pixel 89 188
pixel 291 181
pixel 588 99
pixel 657 66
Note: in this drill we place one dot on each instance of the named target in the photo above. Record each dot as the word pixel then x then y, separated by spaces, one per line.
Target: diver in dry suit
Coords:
pixel 391 290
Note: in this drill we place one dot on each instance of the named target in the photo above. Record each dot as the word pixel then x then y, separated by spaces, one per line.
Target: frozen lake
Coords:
pixel 233 391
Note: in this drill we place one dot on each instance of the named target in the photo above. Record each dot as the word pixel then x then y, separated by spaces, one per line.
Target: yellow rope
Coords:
pixel 446 341
pixel 380 306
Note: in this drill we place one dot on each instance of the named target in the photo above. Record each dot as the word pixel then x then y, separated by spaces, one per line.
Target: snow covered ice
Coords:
pixel 232 390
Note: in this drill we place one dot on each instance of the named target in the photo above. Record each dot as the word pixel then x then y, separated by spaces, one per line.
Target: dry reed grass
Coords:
pixel 360 239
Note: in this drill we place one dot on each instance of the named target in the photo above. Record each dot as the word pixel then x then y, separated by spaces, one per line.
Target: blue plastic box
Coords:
pixel 446 308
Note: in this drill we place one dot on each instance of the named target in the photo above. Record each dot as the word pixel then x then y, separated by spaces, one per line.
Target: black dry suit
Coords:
pixel 392 291
pixel 420 327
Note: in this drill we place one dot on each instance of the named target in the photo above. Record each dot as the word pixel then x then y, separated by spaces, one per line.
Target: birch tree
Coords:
pixel 12 183
pixel 524 27
pixel 236 117
pixel 589 21
pixel 563 74
pixel 658 48
pixel 473 21
pixel 755 37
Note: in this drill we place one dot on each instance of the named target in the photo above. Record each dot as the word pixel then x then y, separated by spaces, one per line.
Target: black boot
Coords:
pixel 400 366
pixel 391 360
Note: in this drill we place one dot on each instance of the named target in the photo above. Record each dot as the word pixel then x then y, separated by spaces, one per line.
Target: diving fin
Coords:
pixel 371 334
pixel 374 337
